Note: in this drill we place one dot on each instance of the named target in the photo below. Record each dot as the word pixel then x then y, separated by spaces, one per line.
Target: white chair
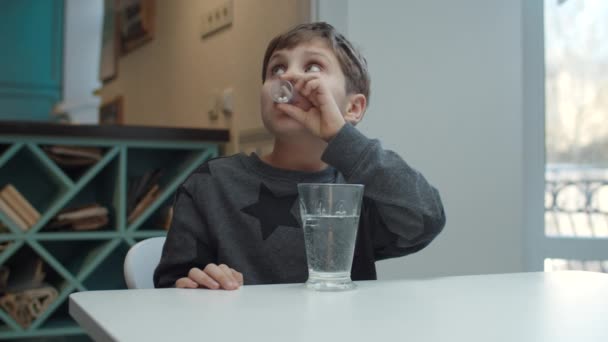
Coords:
pixel 140 262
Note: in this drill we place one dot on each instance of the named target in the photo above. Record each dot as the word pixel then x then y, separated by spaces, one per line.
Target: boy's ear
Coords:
pixel 357 103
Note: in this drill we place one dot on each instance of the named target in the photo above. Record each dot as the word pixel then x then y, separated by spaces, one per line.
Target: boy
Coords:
pixel 236 218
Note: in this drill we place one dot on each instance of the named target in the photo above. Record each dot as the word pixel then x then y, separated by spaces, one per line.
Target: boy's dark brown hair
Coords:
pixel 352 63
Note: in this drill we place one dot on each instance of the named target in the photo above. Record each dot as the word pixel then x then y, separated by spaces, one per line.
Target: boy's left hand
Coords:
pixel 324 118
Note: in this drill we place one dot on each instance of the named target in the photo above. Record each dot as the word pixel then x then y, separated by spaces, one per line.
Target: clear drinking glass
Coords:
pixel 282 91
pixel 330 215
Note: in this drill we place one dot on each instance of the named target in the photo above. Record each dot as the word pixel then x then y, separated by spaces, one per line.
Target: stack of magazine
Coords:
pixel 24 294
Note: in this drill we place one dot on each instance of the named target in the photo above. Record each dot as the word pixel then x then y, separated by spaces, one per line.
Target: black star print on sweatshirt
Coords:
pixel 272 211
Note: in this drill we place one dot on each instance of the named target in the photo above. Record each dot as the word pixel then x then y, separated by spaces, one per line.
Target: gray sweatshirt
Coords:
pixel 242 212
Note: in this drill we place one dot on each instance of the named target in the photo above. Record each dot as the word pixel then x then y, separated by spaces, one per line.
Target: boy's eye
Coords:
pixel 314 67
pixel 278 70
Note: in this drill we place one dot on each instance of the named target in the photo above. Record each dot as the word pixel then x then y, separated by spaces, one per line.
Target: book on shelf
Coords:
pixel 20 205
pixel 145 202
pixel 89 217
pixel 71 156
pixel 83 212
pixel 12 215
pixel 90 223
pixel 73 151
pixel 4 273
pixel 140 186
pixel 165 217
pixel 4 245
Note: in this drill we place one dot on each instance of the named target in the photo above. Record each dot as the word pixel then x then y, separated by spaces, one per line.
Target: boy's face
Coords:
pixel 291 64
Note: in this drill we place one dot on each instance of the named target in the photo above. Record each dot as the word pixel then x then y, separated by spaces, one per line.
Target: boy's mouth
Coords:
pixel 302 103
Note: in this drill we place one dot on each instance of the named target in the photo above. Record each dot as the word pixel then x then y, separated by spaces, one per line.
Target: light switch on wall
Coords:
pixel 218 18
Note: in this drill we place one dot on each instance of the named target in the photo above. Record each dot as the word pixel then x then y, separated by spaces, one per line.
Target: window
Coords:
pixel 576 127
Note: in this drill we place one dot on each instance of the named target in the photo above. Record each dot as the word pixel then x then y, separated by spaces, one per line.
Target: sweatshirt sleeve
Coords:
pixel 186 246
pixel 407 210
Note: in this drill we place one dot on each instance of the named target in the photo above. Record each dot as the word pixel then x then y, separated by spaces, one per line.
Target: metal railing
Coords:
pixel 576 201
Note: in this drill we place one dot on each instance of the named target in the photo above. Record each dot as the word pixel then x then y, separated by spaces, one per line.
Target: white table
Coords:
pixel 563 306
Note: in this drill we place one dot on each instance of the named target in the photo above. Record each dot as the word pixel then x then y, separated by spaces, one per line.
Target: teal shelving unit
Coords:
pixel 88 260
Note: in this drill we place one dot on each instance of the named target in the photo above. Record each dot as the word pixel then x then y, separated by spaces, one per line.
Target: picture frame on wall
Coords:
pixel 108 68
pixel 112 112
pixel 136 23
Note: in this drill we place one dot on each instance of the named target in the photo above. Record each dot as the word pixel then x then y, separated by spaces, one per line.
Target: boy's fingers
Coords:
pixel 301 81
pixel 310 87
pixel 215 272
pixel 298 85
pixel 237 275
pixel 232 281
pixel 185 283
pixel 202 278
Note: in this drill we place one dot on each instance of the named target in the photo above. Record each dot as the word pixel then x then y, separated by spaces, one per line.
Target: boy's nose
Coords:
pixel 291 76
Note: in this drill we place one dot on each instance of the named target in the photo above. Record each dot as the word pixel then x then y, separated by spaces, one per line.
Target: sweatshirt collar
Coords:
pixel 254 163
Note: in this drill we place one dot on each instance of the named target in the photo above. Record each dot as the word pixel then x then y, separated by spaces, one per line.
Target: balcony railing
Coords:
pixel 576 201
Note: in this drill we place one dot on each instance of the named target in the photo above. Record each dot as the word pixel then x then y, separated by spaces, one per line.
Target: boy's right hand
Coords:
pixel 212 277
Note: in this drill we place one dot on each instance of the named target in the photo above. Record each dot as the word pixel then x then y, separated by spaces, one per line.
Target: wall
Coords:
pixel 175 79
pixel 447 96
pixel 31 36
pixel 534 135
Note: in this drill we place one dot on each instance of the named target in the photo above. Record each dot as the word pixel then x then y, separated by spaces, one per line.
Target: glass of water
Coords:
pixel 330 215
